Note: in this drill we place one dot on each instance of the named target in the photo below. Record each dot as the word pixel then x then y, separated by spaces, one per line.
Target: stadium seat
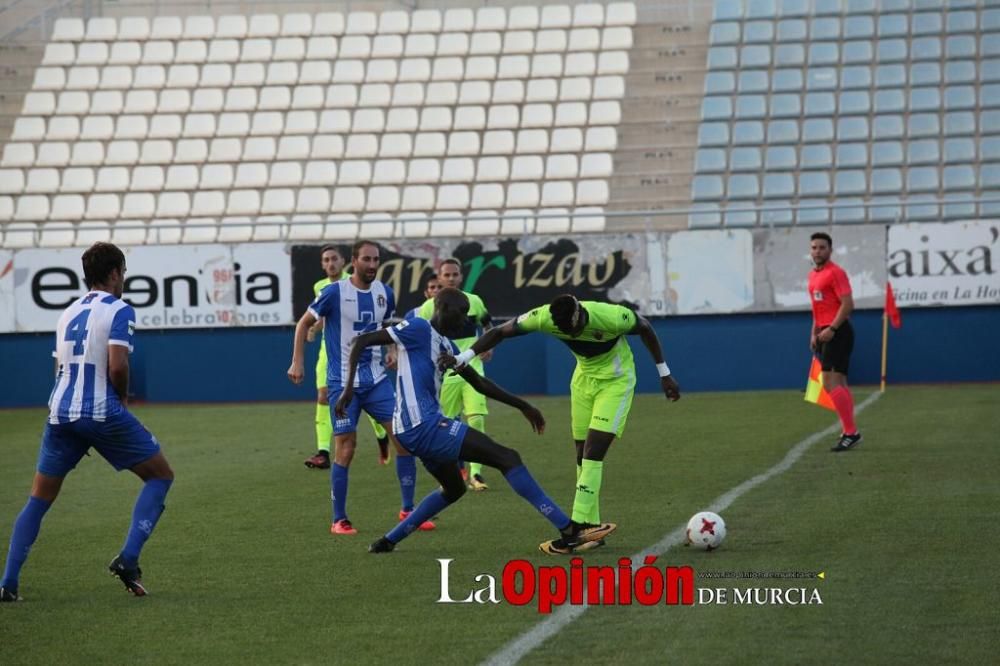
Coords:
pixel 458 20
pixel 57 54
pixel 66 207
pixel 588 219
pixel 134 28
pixel 187 177
pixel 129 232
pixel 552 221
pixel 68 29
pixel 11 181
pixel 418 198
pixel 41 180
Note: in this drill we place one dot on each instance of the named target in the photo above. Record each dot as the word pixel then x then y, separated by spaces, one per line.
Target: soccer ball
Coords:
pixel 706 530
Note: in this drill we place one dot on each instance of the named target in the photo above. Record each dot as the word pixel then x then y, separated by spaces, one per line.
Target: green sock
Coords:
pixel 588 491
pixel 324 429
pixel 377 427
pixel 476 422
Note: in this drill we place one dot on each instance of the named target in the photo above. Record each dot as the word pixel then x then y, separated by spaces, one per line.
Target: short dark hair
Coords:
pixel 427 280
pixel 98 262
pixel 451 260
pixel 562 309
pixel 326 248
pixel 821 235
pixel 356 248
pixel 452 297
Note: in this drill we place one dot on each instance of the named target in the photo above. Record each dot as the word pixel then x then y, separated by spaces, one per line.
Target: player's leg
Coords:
pixel 835 357
pixel 344 442
pixel 450 403
pixel 44 490
pixel 475 410
pixel 611 402
pixel 380 402
pixel 478 447
pixel 451 490
pixel 126 444
pixel 381 439
pixel 59 452
pixel 581 396
pixel 324 426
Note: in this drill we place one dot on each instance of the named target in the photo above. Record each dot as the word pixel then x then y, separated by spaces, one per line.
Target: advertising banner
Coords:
pixel 944 264
pixel 194 286
pixel 511 275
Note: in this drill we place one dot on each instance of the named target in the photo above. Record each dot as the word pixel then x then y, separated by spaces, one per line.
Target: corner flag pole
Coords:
pixel 885 347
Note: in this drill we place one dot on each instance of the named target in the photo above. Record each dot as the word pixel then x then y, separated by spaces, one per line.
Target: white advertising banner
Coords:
pixel 711 271
pixel 956 263
pixel 195 286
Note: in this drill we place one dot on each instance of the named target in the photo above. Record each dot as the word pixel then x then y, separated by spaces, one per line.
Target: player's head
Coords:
pixel 451 308
pixel 568 314
pixel 820 247
pixel 365 259
pixel 450 273
pixel 332 261
pixel 104 268
pixel 432 286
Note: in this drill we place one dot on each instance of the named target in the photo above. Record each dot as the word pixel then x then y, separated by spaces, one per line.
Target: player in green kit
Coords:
pixel 333 265
pixel 457 395
pixel 601 389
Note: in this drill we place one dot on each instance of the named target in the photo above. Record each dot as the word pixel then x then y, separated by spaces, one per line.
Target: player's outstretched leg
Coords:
pixel 382 440
pixel 26 529
pixel 476 481
pixel 149 506
pixel 477 447
pixel 451 490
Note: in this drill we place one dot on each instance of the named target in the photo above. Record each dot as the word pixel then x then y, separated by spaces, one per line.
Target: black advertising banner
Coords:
pixel 510 275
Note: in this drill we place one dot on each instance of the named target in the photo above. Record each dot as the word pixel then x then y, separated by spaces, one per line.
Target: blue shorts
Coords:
pixel 435 441
pixel 378 400
pixel 121 440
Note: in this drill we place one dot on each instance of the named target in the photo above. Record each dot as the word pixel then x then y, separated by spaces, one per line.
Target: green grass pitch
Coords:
pixel 242 567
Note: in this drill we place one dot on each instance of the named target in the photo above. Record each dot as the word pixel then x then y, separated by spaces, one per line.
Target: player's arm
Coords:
pixel 296 371
pixel 491 390
pixel 118 370
pixel 486 342
pixel 647 334
pixel 358 345
pixel 486 321
pixel 314 330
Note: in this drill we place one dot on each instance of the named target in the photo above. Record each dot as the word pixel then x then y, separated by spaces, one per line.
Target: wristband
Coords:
pixel 464 358
pixel 663 369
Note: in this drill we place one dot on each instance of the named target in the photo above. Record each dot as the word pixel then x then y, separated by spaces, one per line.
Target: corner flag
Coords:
pixel 815 393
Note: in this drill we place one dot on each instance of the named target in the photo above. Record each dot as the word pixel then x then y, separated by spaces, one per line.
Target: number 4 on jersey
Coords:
pixel 77 331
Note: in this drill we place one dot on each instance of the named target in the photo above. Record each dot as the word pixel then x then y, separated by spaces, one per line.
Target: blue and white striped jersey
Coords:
pixel 349 312
pixel 85 330
pixel 418 379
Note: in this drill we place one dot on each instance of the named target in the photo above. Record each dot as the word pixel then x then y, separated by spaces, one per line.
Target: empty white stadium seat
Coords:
pixel 122 152
pixel 210 203
pixel 134 28
pixel 452 197
pixel 39 103
pixel 68 29
pixel 348 200
pixel 329 23
pixel 341 225
pixel 77 179
pixel 243 202
pixel 125 53
pixel 49 78
pixel 173 204
pixel 101 29
pixel 82 78
pixel 289 48
pixel 425 20
pixel 212 177
pixel 361 23
pixel 191 51
pixel 552 221
pixel 11 181
pixel 296 25
pixel 457 170
pixel 28 128
pixel 418 197
pixel 129 232
pixel 264 25
pixel 18 155
pixel 459 20
pixel 53 153
pixel 59 54
pixel 149 178
pixel 305 227
pixel 87 153
pixel 320 172
pixel 522 194
pixel 41 181
pixel 57 234
pixel 186 176
pixel 106 206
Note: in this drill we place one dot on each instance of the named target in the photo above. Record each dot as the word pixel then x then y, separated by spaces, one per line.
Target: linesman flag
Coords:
pixel 815 393
pixel 891 311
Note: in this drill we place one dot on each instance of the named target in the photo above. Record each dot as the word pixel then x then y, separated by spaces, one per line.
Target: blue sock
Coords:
pixel 25 532
pixel 524 485
pixel 429 507
pixel 406 471
pixel 148 507
pixel 338 487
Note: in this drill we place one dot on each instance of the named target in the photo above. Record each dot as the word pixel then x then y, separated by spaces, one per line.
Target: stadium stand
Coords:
pixel 887 110
pixel 392 124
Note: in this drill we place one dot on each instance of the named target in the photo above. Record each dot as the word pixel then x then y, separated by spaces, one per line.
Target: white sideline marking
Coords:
pixel 516 649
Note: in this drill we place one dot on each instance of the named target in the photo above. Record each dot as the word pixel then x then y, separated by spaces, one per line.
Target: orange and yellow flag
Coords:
pixel 815 392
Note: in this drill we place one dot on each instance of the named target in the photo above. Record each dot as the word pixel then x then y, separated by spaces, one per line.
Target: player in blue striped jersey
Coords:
pixel 87 409
pixel 350 308
pixel 441 442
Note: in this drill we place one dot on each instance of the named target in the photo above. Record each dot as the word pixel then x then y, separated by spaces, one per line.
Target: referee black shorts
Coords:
pixel 835 355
